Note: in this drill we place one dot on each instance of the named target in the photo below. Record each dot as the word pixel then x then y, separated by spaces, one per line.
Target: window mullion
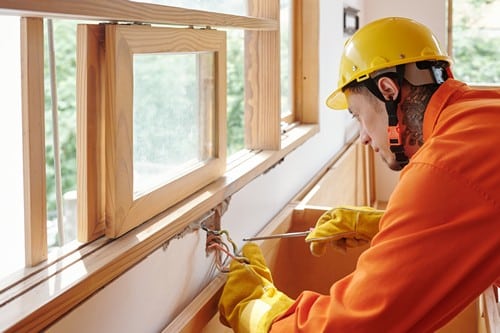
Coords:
pixel 262 80
pixel 90 132
pixel 33 110
pixel 306 60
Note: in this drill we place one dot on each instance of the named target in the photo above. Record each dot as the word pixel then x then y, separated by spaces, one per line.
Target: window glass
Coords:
pixel 235 91
pixel 475 40
pixel 61 220
pixel 236 7
pixel 285 58
pixel 11 169
pixel 173 116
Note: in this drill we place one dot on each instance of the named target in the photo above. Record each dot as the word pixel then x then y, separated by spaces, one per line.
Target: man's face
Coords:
pixel 372 117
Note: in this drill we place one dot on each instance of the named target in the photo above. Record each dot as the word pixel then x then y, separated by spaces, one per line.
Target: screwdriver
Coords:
pixel 285 235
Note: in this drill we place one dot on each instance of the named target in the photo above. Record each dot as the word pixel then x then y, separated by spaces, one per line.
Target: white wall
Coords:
pixel 429 12
pixel 11 165
pixel 150 295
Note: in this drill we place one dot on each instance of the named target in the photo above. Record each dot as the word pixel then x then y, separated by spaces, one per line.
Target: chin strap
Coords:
pixel 391 106
pixel 394 133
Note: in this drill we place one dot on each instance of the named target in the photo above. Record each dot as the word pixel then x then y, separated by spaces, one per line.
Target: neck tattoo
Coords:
pixel 413 108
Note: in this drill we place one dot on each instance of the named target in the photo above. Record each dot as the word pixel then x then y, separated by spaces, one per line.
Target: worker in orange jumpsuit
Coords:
pixel 437 245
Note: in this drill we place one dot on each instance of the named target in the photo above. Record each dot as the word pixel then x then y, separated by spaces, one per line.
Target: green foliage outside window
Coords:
pixel 65 63
pixel 476 37
pixel 235 91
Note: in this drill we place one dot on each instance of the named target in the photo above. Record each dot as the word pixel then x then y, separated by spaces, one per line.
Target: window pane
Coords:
pixel 61 139
pixel 285 58
pixel 236 7
pixel 173 116
pixel 11 169
pixel 476 36
pixel 235 91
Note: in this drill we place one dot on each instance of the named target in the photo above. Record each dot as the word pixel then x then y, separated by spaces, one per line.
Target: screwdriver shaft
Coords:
pixel 285 235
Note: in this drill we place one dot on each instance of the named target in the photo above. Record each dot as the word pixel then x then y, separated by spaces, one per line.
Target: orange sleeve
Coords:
pixel 437 250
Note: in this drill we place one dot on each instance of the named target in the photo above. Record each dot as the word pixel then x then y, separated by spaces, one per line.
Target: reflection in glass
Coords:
pixel 173 116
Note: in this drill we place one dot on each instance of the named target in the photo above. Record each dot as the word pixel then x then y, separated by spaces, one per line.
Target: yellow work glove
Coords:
pixel 250 301
pixel 344 227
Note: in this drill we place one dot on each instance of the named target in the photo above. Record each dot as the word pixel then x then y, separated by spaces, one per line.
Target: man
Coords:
pixel 437 246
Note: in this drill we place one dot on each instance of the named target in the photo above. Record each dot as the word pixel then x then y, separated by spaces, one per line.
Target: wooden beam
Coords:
pixel 262 81
pixel 90 134
pixel 33 115
pixel 306 61
pixel 131 11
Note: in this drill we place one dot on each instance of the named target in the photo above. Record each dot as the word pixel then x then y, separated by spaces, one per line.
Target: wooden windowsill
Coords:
pixel 27 305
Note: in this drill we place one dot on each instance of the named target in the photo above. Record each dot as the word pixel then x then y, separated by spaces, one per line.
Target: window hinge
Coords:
pixel 207 27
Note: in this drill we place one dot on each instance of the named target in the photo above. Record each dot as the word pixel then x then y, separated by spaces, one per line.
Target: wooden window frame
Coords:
pixel 305 63
pixel 33 110
pixel 90 152
pixel 262 108
pixel 123 212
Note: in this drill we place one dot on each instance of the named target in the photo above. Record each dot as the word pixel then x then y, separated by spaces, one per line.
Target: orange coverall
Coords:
pixel 439 242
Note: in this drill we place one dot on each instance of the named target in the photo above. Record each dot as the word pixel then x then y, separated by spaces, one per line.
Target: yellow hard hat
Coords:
pixel 383 43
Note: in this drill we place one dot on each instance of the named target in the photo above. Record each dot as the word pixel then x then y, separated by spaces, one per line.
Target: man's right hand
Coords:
pixel 343 227
pixel 250 302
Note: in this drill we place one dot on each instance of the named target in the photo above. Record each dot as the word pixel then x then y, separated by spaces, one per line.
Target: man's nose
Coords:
pixel 363 136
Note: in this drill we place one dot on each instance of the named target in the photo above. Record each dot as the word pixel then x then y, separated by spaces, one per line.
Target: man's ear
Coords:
pixel 388 88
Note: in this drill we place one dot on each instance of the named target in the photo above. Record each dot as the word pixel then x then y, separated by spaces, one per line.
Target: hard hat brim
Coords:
pixel 337 100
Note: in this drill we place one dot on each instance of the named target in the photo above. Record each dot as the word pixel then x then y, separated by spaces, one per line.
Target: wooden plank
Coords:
pixel 306 191
pixel 370 176
pixel 306 61
pixel 90 131
pixel 131 11
pixel 449 27
pixel 361 170
pixel 262 81
pixel 466 321
pixel 340 185
pixel 33 118
pixel 491 310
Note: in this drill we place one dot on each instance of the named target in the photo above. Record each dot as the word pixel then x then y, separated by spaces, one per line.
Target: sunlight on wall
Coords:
pixel 11 165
